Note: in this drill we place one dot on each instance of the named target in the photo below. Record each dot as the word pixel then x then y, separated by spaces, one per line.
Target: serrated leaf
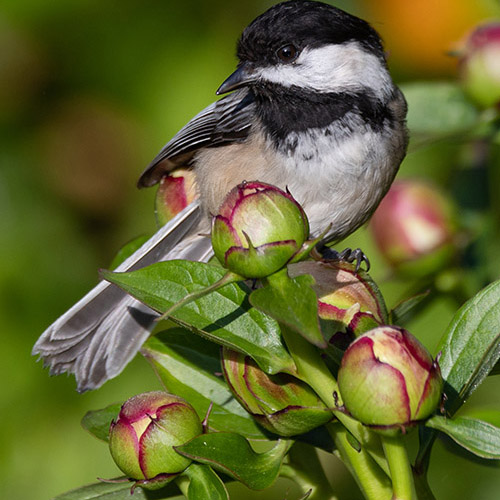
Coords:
pixel 224 316
pixel 476 436
pixel 205 484
pixel 471 346
pixel 232 454
pixel 118 491
pixel 188 366
pixel 438 109
pixel 293 302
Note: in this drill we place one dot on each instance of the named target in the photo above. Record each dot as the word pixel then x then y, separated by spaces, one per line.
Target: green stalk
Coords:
pixel 229 277
pixel 313 370
pixel 374 484
pixel 402 478
pixel 306 470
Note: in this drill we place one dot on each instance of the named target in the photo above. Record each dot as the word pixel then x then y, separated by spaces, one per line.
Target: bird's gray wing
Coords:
pixel 101 333
pixel 223 122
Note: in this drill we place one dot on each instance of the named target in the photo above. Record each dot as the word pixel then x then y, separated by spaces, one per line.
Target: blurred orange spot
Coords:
pixel 418 34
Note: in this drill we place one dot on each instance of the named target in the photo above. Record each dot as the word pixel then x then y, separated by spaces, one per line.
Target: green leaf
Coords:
pixel 232 454
pixel 476 436
pixel 127 250
pixel 224 316
pixel 97 422
pixel 118 491
pixel 293 302
pixel 188 365
pixel 489 415
pixel 407 308
pixel 204 484
pixel 471 346
pixel 438 109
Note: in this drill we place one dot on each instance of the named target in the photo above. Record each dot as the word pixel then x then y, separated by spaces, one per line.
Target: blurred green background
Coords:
pixel 89 92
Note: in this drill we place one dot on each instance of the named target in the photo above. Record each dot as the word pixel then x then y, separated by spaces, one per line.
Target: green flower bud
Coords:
pixel 280 403
pixel 414 227
pixel 388 379
pixel 259 228
pixel 175 192
pixel 480 66
pixel 149 425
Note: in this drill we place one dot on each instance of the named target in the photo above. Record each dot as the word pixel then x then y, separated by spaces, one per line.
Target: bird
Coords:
pixel 310 108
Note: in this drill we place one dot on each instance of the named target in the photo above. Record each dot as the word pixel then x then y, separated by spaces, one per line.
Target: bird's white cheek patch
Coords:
pixel 333 68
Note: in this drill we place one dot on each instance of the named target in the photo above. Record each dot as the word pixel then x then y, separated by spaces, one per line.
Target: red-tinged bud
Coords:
pixel 280 403
pixel 176 191
pixel 414 227
pixel 258 229
pixel 480 64
pixel 388 380
pixel 142 438
pixel 349 301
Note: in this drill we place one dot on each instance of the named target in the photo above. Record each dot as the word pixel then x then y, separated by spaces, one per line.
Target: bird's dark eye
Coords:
pixel 287 53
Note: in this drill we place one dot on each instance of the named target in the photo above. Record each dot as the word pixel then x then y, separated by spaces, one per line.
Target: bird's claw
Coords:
pixel 348 255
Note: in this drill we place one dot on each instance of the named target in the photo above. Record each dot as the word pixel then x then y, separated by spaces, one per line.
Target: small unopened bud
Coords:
pixel 480 64
pixel 349 301
pixel 258 229
pixel 280 403
pixel 387 379
pixel 149 425
pixel 414 226
pixel 176 191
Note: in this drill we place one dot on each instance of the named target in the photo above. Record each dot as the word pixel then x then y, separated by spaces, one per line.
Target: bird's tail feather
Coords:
pixel 101 333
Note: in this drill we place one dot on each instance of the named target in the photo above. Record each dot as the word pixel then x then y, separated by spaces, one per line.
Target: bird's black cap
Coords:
pixel 303 23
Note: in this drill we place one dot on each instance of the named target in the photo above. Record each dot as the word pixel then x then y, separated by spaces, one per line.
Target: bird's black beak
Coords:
pixel 242 76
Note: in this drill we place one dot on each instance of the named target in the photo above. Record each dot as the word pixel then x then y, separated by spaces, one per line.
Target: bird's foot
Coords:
pixel 348 255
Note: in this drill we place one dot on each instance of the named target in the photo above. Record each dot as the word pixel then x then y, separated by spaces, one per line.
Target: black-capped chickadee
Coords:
pixel 312 109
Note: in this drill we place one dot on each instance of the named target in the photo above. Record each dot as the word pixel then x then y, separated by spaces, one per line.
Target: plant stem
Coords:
pixel 374 484
pixel 306 470
pixel 402 478
pixel 229 277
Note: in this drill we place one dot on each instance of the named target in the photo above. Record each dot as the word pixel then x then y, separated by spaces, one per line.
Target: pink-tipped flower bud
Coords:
pixel 388 379
pixel 258 229
pixel 414 226
pixel 280 403
pixel 349 301
pixel 142 438
pixel 176 191
pixel 480 64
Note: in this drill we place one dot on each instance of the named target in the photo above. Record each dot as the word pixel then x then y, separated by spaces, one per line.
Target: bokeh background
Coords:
pixel 89 92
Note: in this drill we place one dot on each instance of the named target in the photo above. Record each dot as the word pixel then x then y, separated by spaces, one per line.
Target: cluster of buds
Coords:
pixel 388 380
pixel 479 65
pixel 258 229
pixel 415 227
pixel 142 438
pixel 280 403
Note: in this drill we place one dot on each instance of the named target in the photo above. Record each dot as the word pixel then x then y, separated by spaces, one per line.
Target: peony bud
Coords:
pixel 176 191
pixel 280 403
pixel 480 65
pixel 388 379
pixel 259 228
pixel 414 226
pixel 149 425
pixel 349 301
